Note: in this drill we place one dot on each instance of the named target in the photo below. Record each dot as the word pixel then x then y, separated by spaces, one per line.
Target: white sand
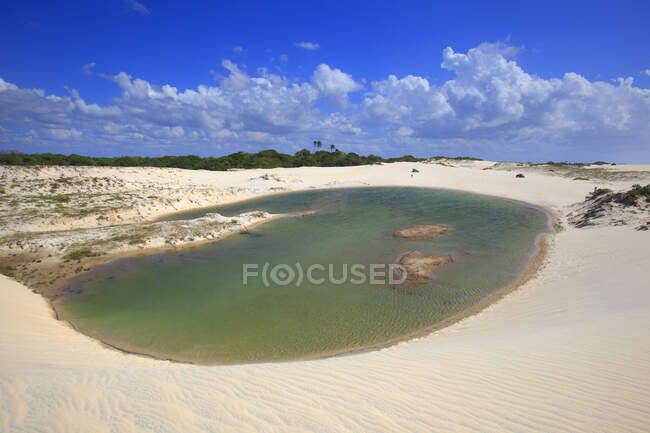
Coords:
pixel 568 351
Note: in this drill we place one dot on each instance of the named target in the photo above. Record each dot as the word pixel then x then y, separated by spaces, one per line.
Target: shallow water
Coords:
pixel 192 306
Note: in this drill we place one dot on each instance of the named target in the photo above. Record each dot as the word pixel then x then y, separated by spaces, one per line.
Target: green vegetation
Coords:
pixel 599 191
pixel 55 198
pixel 455 158
pixel 262 159
pixel 631 196
pixel 580 178
pixel 627 198
pixel 573 164
pixel 564 163
pixel 114 197
pixel 7 273
pixel 135 241
pixel 79 254
pixel 600 163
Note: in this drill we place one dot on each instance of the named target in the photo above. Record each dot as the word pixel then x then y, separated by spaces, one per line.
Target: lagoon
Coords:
pixel 192 306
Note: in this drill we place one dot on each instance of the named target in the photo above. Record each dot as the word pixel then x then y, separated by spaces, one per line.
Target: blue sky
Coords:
pixel 499 80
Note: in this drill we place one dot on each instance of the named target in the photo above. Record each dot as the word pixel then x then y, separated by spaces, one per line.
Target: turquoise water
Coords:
pixel 192 306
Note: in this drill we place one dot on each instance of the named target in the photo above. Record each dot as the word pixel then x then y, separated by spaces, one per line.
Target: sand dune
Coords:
pixel 567 351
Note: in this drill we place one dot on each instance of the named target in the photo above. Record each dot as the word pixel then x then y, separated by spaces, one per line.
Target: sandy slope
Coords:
pixel 568 351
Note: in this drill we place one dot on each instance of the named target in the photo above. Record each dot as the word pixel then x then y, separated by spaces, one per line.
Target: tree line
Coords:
pixel 262 159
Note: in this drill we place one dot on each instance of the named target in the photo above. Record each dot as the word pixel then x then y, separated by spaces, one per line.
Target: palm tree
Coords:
pixel 332 148
pixel 319 144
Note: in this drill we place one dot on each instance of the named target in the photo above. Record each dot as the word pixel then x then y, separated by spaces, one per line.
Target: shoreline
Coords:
pixel 143 252
pixel 534 263
pixel 91 262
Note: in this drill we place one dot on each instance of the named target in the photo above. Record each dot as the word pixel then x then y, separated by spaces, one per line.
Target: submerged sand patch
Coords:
pixel 419 267
pixel 421 231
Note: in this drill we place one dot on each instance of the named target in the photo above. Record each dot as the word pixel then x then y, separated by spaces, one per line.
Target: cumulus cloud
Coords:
pixel 490 101
pixel 647 72
pixel 284 58
pixel 310 46
pixel 335 84
pixel 240 109
pixel 33 107
pixel 492 98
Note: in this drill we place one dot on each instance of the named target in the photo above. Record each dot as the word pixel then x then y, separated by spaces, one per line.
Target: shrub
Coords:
pixel 631 196
pixel 79 254
pixel 600 191
pixel 627 198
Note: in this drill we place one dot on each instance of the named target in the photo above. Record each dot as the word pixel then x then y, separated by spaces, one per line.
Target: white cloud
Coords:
pixel 177 131
pixel 88 68
pixel 138 7
pixel 311 46
pixel 491 101
pixel 7 86
pixel 492 98
pixel 405 131
pixel 238 49
pixel 64 134
pixel 238 106
pixel 647 72
pixel 284 58
pixel 335 84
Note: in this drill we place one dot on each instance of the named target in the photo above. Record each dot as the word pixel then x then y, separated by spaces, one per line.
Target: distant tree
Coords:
pixel 332 148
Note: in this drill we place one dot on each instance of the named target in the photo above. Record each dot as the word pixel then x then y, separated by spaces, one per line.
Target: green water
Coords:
pixel 192 306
